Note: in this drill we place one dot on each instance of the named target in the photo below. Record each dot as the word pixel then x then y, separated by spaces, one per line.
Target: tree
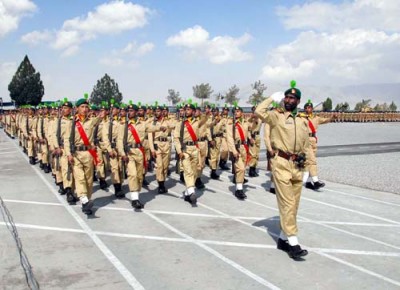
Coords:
pixel 173 97
pixel 202 91
pixel 392 107
pixel 26 88
pixel 327 105
pixel 231 95
pixel 363 105
pixel 342 107
pixel 105 90
pixel 257 97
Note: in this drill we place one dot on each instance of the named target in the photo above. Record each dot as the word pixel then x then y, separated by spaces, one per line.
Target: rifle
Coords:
pixel 126 147
pixel 71 144
pixel 183 145
pixel 212 134
pixel 59 141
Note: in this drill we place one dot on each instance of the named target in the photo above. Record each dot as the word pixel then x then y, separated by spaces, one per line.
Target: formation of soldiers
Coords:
pixel 363 117
pixel 80 144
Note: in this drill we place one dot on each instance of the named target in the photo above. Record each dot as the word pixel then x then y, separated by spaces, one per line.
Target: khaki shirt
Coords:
pixel 246 129
pixel 288 133
pixel 154 137
pixel 88 126
pixel 105 129
pixel 196 125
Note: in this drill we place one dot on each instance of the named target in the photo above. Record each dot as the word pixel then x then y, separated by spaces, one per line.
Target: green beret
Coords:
pixel 81 102
pixel 308 104
pixel 191 106
pixel 165 107
pixel 67 104
pixel 93 107
pixel 115 105
pixel 133 107
pixel 236 108
pixel 293 90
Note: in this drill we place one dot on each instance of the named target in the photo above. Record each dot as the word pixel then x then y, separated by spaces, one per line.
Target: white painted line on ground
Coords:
pixel 359 268
pixel 132 281
pixel 362 197
pixel 209 242
pixel 32 202
pixel 215 253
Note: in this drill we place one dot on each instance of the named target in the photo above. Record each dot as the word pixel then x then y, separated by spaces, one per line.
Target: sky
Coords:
pixel 151 46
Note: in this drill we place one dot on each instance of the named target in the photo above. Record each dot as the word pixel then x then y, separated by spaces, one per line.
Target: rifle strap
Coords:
pixel 85 140
pixel 243 141
pixel 137 140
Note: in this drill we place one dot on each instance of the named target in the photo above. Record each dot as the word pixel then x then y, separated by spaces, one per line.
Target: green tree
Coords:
pixel 202 91
pixel 26 88
pixel 257 97
pixel 327 105
pixel 392 107
pixel 363 105
pixel 231 95
pixel 173 97
pixel 105 90
pixel 342 107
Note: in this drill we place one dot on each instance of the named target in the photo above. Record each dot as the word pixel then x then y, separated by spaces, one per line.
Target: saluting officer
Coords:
pixel 290 142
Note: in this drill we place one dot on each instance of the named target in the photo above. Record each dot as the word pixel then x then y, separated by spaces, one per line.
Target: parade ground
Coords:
pixel 352 231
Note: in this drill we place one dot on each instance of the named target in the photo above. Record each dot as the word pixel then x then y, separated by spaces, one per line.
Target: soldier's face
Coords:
pixel 66 111
pixel 238 114
pixel 158 113
pixel 309 109
pixel 131 113
pixel 83 110
pixel 122 113
pixel 197 113
pixel 140 113
pixel 181 112
pixel 189 112
pixel 290 102
pixel 165 113
pixel 115 111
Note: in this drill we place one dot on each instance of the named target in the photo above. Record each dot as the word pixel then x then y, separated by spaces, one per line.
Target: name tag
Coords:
pixel 289 122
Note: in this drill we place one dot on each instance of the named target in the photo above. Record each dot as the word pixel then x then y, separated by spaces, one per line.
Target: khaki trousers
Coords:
pixel 311 162
pixel 255 152
pixel 64 169
pixel 83 173
pixel 101 167
pixel 288 184
pixel 135 170
pixel 190 165
pixel 214 153
pixel 203 146
pixel 224 150
pixel 115 169
pixel 163 155
pixel 240 165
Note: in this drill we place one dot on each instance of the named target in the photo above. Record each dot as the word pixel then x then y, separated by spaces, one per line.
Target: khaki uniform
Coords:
pixel 83 161
pixel 190 163
pixel 255 135
pixel 160 143
pixel 289 134
pixel 111 147
pixel 217 136
pixel 101 168
pixel 224 154
pixel 236 145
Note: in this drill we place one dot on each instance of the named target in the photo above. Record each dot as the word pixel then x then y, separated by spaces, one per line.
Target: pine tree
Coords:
pixel 173 97
pixel 392 107
pixel 105 90
pixel 327 105
pixel 231 95
pixel 202 91
pixel 257 97
pixel 26 87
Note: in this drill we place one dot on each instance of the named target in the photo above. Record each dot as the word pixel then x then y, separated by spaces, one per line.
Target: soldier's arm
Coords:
pixel 104 136
pixel 67 147
pixel 120 140
pixel 263 113
pixel 229 138
pixel 177 141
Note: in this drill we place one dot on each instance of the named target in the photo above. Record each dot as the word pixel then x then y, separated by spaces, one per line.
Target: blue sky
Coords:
pixel 149 47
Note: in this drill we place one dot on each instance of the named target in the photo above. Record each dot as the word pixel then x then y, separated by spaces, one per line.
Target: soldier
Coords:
pixel 270 154
pixel 54 159
pixel 186 144
pixel 81 153
pixel 224 145
pixel 238 134
pixel 290 142
pixel 217 133
pixel 101 168
pixel 255 148
pixel 28 128
pixel 203 139
pixel 42 139
pixel 310 177
pixel 131 149
pixel 109 137
pixel 160 146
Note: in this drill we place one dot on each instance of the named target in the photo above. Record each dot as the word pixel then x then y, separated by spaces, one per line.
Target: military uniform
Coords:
pixel 254 149
pixel 217 133
pixel 289 140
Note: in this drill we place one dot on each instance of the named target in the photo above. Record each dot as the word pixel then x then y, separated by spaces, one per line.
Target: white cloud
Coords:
pixel 36 37
pixel 351 56
pixel 323 16
pixel 11 12
pixel 218 50
pixel 106 19
pixel 7 70
pixel 127 55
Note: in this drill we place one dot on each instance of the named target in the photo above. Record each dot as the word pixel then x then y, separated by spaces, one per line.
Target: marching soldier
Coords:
pixel 310 177
pixel 81 153
pixel 160 146
pixel 101 168
pixel 238 134
pixel 290 142
pixel 28 128
pixel 254 149
pixel 224 154
pixel 203 140
pixel 110 136
pixel 186 144
pixel 217 133
pixel 130 147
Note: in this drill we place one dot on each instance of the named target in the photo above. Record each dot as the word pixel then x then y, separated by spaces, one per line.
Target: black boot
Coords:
pixel 46 168
pixel 41 165
pixel 182 177
pixel 94 176
pixel 137 204
pixel 318 184
pixel 283 245
pixel 71 199
pixel 296 252
pixel 32 160
pixel 145 182
pixel 214 174
pixel 161 187
pixel 61 190
pixel 309 185
pixel 199 184
pixel 103 183
pixel 192 199
pixel 255 171
pixel 118 190
pixel 222 165
pixel 240 194
pixel 87 207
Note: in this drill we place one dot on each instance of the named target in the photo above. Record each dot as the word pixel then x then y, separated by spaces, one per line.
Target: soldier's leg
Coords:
pixel 240 168
pixel 224 154
pixel 135 175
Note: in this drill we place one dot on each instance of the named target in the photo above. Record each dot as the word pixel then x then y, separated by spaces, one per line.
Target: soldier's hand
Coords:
pixel 236 155
pixel 163 129
pixel 212 143
pixel 125 158
pixel 70 159
pixel 252 142
pixel 112 154
pixel 154 154
pixel 181 156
